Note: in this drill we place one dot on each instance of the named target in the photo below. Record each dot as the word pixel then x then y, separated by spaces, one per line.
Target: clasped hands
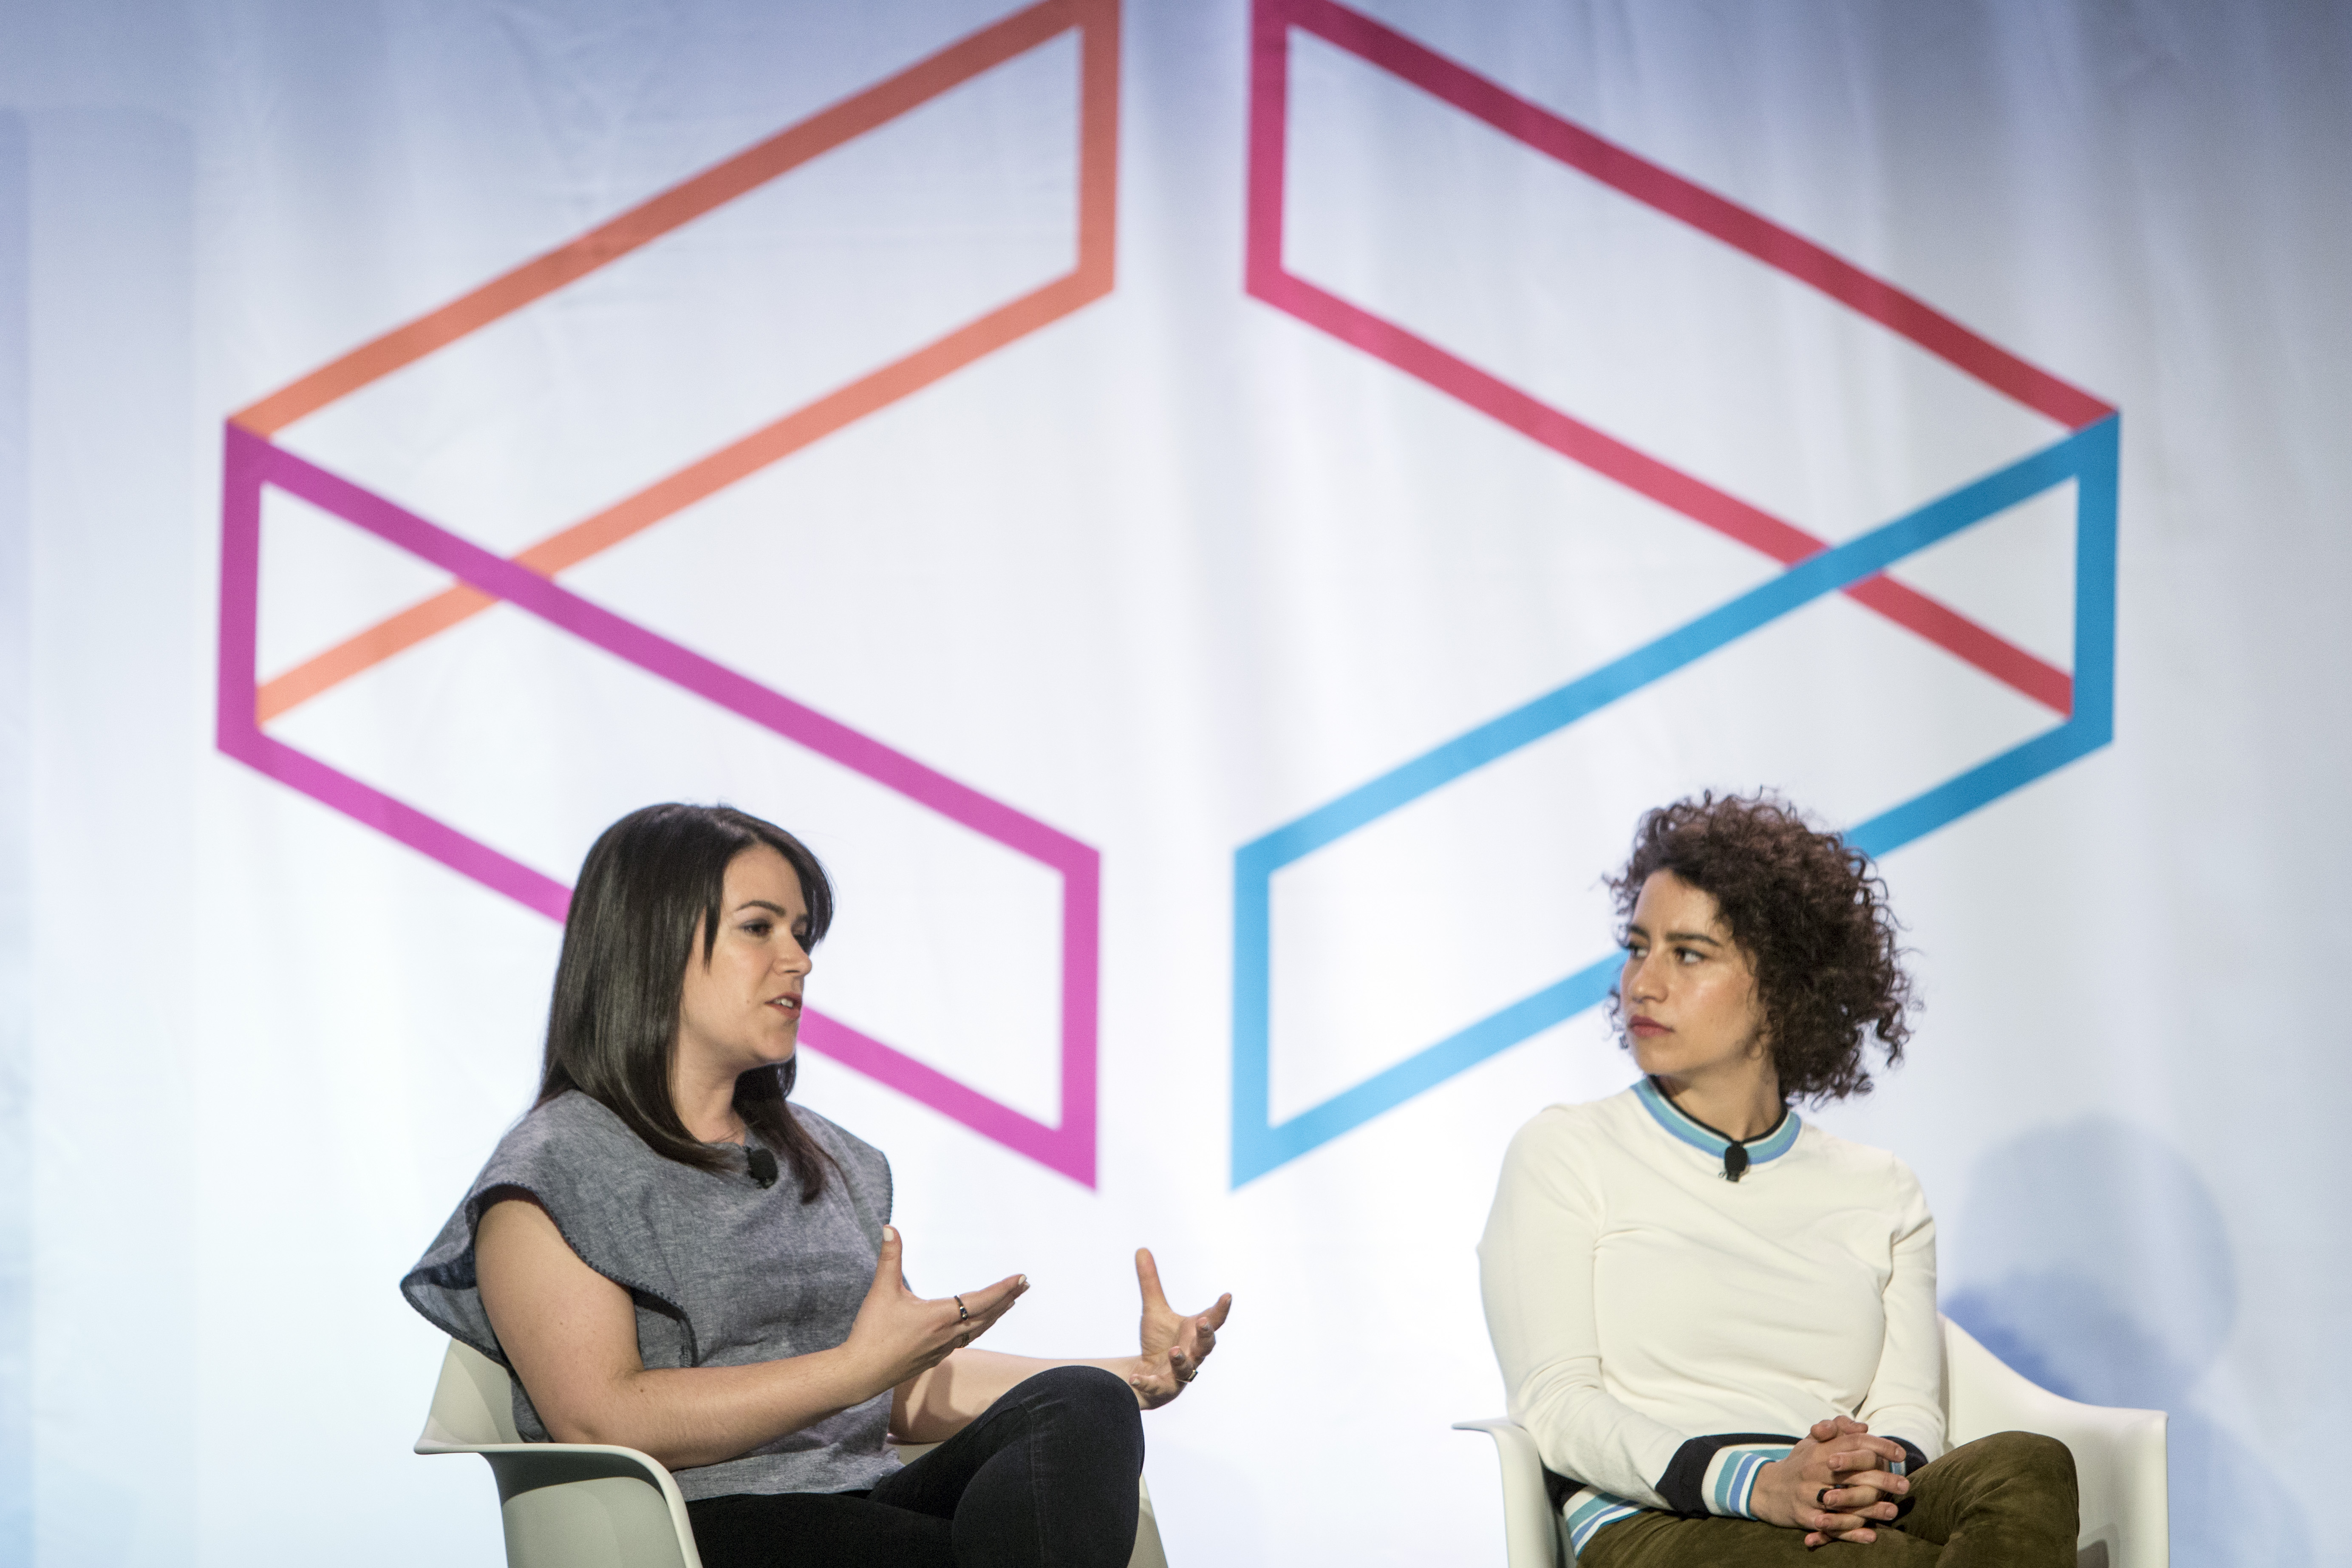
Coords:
pixel 1834 1484
pixel 901 1335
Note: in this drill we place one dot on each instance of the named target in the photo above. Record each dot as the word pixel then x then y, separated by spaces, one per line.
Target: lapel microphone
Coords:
pixel 763 1166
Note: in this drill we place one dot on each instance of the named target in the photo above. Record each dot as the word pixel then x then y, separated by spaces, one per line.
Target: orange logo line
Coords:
pixel 1091 279
pixel 665 496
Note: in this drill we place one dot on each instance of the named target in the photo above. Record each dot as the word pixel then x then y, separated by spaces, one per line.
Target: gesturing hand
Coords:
pixel 1833 1485
pixel 899 1333
pixel 1173 1346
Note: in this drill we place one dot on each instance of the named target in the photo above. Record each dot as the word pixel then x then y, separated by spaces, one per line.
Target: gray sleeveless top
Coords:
pixel 723 1272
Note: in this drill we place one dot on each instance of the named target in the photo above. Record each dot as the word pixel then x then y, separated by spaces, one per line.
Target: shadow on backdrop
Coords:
pixel 2093 1259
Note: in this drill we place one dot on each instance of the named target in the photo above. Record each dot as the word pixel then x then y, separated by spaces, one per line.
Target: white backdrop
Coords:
pixel 1022 478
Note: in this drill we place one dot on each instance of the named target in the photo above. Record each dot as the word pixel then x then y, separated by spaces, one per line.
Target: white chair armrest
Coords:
pixel 2119 1454
pixel 603 1514
pixel 1530 1528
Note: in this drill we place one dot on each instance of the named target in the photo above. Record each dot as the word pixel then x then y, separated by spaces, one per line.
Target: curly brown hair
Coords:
pixel 1810 913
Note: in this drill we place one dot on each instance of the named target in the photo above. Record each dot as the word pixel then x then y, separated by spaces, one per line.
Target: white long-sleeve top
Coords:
pixel 1664 1330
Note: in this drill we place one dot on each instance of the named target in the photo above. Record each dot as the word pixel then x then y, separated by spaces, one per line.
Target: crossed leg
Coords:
pixel 2004 1501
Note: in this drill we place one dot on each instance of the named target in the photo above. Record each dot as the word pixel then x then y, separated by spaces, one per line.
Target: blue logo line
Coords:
pixel 2088 457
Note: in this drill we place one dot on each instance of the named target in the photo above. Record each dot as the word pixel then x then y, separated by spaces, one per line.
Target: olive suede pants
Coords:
pixel 2002 1502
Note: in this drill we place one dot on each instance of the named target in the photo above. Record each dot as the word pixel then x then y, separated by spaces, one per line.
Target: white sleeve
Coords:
pixel 1534 1270
pixel 1906 1399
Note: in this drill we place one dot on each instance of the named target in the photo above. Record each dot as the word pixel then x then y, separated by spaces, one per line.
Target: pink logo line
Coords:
pixel 253 462
pixel 1636 177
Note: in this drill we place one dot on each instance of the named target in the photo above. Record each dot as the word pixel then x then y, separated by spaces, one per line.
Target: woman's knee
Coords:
pixel 1083 1383
pixel 2029 1454
pixel 1091 1397
pixel 2032 1470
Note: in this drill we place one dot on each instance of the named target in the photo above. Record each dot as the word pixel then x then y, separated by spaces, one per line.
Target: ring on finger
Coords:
pixel 1822 1498
pixel 963 1313
pixel 1188 1377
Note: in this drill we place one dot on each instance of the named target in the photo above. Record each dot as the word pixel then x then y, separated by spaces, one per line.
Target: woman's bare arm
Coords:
pixel 572 1337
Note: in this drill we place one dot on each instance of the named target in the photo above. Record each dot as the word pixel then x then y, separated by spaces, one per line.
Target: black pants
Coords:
pixel 1044 1478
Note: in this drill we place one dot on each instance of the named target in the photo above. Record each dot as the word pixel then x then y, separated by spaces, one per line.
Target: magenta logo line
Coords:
pixel 253 463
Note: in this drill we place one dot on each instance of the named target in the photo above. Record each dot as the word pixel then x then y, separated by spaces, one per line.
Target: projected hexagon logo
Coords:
pixel 1646 275
pixel 465 799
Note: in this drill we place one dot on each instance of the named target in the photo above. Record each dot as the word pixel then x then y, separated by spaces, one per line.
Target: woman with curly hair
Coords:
pixel 1717 1320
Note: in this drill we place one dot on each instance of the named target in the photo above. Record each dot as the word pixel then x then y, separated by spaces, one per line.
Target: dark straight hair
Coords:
pixel 651 880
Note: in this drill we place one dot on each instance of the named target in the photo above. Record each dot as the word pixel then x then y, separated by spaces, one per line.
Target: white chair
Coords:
pixel 591 1505
pixel 2118 1461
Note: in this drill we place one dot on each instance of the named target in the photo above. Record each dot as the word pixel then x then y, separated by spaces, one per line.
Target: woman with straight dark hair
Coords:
pixel 671 1256
pixel 1717 1320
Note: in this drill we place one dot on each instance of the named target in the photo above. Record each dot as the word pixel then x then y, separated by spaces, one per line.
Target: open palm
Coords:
pixel 1173 1345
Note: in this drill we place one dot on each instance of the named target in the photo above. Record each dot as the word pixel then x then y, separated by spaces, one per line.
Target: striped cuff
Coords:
pixel 1716 1475
pixel 1586 1511
pixel 1730 1482
pixel 1913 1461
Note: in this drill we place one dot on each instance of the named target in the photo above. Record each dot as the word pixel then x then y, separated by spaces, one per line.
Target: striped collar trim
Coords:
pixel 1707 1139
